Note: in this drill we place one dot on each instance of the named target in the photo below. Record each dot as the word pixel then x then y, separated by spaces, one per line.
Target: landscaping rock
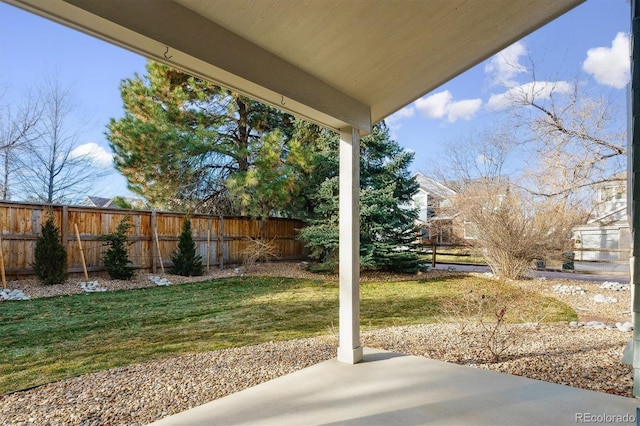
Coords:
pixel 568 289
pixel 599 325
pixel 613 285
pixel 7 294
pixel 161 281
pixel 601 298
pixel 91 286
pixel 626 326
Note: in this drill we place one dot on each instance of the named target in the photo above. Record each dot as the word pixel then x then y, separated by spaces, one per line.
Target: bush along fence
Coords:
pixel 152 239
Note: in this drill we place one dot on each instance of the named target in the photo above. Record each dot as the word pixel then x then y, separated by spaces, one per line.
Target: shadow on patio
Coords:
pixel 389 388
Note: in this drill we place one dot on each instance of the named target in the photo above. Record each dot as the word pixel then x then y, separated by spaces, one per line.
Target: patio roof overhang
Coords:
pixel 338 63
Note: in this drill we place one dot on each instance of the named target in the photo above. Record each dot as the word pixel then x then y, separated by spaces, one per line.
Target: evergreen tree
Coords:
pixel 116 259
pixel 271 186
pixel 186 261
pixel 181 138
pixel 387 230
pixel 50 255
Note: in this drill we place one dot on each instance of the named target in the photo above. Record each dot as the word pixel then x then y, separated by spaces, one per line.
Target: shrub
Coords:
pixel 186 261
pixel 258 250
pixel 115 258
pixel 50 256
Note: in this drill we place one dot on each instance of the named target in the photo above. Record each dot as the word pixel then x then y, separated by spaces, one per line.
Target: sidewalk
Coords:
pixel 584 271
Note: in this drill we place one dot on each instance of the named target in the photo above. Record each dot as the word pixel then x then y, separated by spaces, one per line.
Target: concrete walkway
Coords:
pixel 394 389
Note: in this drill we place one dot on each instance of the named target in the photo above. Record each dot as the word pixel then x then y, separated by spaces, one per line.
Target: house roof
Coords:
pixel 96 201
pixel 616 214
pixel 338 63
pixel 432 187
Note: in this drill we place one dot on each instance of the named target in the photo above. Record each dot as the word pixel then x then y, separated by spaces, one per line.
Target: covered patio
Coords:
pixel 394 389
pixel 347 64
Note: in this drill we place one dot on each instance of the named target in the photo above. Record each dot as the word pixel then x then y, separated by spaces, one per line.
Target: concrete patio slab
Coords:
pixel 394 389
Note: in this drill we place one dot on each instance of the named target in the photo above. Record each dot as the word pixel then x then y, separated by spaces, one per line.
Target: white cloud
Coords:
pixel 610 65
pixel 406 112
pixel 464 110
pixel 100 157
pixel 526 93
pixel 504 66
pixel 441 104
pixel 434 106
pixel 394 121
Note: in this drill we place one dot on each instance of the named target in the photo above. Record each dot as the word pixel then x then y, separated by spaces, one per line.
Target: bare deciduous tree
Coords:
pixel 50 169
pixel 512 227
pixel 575 140
pixel 17 131
pixel 571 142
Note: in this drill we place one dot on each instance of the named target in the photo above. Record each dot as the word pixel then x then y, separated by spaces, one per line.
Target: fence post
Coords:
pixel 433 254
pixel 220 248
pixel 4 278
pixel 154 249
pixel 64 231
pixel 209 222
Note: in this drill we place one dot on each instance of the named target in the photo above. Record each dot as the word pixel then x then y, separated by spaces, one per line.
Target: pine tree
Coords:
pixel 116 260
pixel 182 137
pixel 185 260
pixel 50 255
pixel 387 230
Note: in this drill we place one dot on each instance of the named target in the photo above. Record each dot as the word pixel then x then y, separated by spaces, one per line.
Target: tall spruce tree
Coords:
pixel 50 255
pixel 387 230
pixel 186 261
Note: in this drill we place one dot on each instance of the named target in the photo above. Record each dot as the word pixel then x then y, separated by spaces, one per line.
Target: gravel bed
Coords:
pixel 584 305
pixel 139 394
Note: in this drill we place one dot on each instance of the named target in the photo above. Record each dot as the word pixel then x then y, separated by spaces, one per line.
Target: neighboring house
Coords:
pixel 439 221
pixel 606 235
pixel 431 199
pixel 96 202
pixel 483 192
pixel 109 202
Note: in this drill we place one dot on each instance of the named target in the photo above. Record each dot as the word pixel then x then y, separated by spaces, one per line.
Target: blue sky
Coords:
pixel 590 42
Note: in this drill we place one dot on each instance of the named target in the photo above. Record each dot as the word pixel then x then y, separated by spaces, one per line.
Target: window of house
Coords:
pixel 470 231
pixel 611 193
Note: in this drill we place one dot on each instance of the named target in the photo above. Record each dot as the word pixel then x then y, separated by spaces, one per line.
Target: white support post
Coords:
pixel 633 192
pixel 349 349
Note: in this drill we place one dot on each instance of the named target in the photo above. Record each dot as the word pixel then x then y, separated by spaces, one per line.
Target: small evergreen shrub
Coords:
pixel 50 255
pixel 186 261
pixel 115 258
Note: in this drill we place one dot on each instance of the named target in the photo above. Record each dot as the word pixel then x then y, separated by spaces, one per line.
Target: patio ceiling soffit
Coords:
pixel 339 63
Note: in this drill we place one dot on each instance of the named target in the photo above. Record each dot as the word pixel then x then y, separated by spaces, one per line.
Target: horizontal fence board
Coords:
pixel 221 240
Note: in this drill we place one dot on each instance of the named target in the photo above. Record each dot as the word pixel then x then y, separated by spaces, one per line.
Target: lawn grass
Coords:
pixel 45 340
pixel 456 255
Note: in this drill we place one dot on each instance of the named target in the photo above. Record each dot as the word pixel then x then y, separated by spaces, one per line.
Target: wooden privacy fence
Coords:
pixel 219 240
